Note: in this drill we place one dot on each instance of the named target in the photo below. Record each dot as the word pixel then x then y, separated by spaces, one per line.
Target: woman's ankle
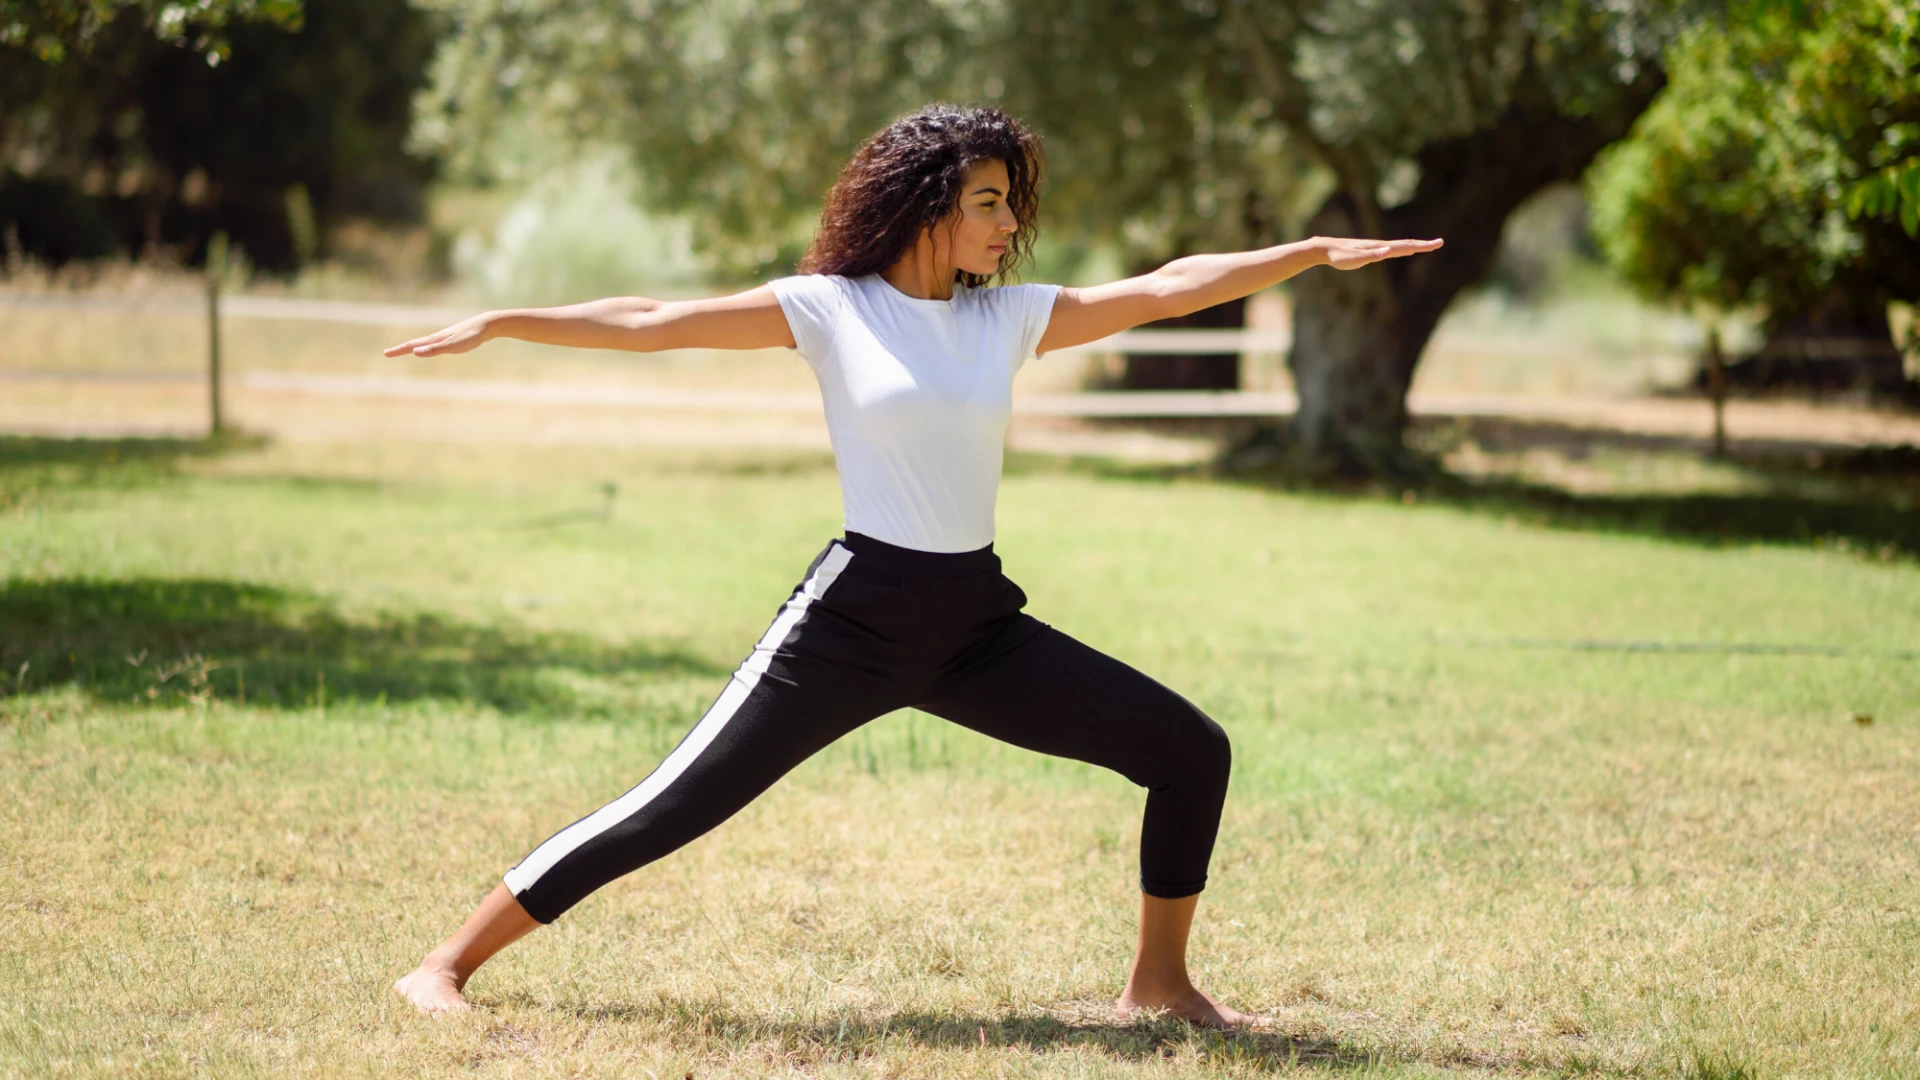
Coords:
pixel 441 963
pixel 1157 984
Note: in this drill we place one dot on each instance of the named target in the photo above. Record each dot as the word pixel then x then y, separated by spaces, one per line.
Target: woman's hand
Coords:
pixel 1343 254
pixel 463 336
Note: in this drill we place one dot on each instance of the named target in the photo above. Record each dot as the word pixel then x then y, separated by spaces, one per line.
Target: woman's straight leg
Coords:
pixel 792 696
pixel 807 682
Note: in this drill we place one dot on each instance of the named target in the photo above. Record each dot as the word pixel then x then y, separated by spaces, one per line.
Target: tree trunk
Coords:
pixel 1358 335
pixel 1184 371
pixel 1355 344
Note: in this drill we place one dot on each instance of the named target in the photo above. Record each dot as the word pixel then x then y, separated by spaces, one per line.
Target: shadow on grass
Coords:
pixel 165 641
pixel 1869 526
pixel 855 1036
pixel 1865 499
pixel 33 463
pixel 1148 1040
pixel 773 464
pixel 30 451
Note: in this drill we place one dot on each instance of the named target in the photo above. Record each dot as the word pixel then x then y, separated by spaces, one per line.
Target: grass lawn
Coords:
pixel 1506 798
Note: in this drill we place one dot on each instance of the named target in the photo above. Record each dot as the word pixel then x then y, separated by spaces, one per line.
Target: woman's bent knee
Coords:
pixel 1212 751
pixel 1195 755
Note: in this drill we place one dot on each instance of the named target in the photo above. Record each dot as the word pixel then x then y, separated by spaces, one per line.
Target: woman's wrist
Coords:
pixel 1317 249
pixel 497 324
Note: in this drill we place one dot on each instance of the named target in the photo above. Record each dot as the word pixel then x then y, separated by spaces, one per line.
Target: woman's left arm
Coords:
pixel 1199 281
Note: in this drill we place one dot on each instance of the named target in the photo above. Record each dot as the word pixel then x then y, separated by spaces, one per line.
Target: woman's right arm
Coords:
pixel 748 320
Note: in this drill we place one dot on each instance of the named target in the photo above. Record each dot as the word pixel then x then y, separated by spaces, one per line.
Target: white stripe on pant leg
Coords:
pixel 522 877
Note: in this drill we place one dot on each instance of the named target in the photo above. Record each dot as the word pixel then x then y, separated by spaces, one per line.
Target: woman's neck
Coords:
pixel 919 275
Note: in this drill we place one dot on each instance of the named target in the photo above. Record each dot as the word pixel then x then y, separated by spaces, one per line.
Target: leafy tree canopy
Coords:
pixel 1173 124
pixel 52 28
pixel 1781 169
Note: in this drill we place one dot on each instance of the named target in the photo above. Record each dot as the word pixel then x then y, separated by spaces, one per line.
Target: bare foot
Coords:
pixel 1189 1004
pixel 432 991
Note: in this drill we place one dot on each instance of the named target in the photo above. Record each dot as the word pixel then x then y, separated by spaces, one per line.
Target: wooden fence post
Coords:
pixel 216 269
pixel 1717 390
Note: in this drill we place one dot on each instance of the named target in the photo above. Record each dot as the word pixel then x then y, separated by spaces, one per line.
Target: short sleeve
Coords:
pixel 1031 309
pixel 813 304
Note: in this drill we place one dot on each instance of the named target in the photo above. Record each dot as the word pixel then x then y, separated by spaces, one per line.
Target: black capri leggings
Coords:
pixel 873 628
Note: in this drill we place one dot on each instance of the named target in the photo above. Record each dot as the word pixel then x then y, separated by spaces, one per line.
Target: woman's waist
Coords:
pixel 872 552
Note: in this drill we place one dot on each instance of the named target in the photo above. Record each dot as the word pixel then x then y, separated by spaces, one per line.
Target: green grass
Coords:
pixel 1477 824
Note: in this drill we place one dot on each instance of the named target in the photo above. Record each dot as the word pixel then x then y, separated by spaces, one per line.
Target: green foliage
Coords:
pixel 1171 125
pixel 575 234
pixel 138 144
pixel 1773 169
pixel 50 29
pixel 1893 191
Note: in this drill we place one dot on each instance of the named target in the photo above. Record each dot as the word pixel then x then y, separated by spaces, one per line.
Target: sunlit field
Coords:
pixel 1512 793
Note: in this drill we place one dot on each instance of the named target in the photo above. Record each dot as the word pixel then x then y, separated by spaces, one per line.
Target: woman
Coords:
pixel 915 358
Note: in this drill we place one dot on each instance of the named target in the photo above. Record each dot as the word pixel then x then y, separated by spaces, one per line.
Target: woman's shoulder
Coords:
pixel 1009 289
pixel 809 283
pixel 823 295
pixel 1022 300
pixel 1022 290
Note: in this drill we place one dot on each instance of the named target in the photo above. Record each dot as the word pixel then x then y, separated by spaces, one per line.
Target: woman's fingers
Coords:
pixel 406 346
pixel 426 342
pixel 1353 254
pixel 1396 248
pixel 454 339
pixel 457 343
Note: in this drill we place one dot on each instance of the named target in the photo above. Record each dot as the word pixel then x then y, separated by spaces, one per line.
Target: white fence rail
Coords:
pixel 1115 404
pixel 1161 342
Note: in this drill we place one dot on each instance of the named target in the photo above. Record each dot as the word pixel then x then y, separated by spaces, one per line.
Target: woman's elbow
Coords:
pixel 1169 293
pixel 631 311
pixel 646 325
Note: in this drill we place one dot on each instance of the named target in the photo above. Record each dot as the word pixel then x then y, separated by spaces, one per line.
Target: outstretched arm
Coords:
pixel 1198 281
pixel 748 320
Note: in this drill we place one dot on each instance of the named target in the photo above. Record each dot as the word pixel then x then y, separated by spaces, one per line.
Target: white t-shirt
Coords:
pixel 917 394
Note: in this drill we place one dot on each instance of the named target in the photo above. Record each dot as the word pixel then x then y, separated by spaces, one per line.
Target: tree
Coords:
pixel 1779 172
pixel 1422 117
pixel 130 140
pixel 1173 125
pixel 51 29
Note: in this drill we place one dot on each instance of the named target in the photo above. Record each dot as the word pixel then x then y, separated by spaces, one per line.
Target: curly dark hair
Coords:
pixel 908 177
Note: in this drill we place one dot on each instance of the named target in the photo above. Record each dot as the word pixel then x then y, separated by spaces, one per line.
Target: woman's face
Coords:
pixel 977 233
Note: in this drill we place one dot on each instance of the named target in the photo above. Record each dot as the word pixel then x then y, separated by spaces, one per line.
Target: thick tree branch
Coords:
pixel 1358 337
pixel 1289 100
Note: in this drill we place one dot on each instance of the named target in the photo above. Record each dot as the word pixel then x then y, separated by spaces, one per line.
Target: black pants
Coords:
pixel 874 628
